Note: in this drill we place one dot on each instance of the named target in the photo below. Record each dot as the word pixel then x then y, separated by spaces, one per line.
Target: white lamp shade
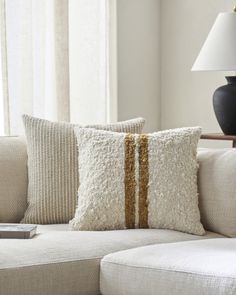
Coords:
pixel 219 50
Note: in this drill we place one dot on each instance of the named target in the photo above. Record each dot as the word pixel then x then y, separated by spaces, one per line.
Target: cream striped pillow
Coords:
pixel 53 177
pixel 138 181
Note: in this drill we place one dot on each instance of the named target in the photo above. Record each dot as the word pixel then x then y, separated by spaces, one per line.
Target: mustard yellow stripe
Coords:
pixel 130 181
pixel 143 180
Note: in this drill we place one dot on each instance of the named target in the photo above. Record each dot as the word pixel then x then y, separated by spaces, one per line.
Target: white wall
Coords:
pixel 186 97
pixel 138 39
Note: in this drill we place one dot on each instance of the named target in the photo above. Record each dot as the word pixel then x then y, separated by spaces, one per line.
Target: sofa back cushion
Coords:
pixel 217 190
pixel 216 183
pixel 13 179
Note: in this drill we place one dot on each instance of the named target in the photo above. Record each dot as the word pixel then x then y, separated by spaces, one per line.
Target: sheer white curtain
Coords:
pixel 2 131
pixel 4 97
pixel 92 31
pixel 37 61
pixel 56 61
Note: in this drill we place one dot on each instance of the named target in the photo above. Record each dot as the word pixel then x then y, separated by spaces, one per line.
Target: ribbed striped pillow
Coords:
pixel 138 181
pixel 53 177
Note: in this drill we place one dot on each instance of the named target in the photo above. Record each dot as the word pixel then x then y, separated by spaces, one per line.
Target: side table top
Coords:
pixel 218 136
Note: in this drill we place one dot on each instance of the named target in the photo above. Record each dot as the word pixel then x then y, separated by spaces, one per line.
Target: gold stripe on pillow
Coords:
pixel 130 182
pixel 143 180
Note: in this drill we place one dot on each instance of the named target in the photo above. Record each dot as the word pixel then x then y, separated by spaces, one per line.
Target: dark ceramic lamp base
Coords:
pixel 224 103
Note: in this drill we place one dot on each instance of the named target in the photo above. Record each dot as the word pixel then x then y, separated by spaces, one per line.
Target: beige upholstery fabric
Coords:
pixel 205 267
pixel 62 262
pixel 53 168
pixel 13 179
pixel 138 181
pixel 217 190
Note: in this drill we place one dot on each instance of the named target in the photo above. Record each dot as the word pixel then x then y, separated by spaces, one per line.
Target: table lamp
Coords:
pixel 219 54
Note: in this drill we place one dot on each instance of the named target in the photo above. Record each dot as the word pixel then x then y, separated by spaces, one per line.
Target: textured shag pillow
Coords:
pixel 138 181
pixel 53 177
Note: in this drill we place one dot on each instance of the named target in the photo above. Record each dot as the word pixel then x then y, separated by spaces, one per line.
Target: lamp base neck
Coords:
pixel 231 79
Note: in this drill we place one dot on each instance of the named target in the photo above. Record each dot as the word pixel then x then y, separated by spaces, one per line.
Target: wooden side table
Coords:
pixel 220 136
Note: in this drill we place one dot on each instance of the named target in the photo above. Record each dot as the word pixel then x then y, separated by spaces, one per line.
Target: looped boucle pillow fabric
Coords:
pixel 53 176
pixel 138 181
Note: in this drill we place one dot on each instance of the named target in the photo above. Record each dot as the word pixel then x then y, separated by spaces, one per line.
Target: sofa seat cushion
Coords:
pixel 205 267
pixel 58 261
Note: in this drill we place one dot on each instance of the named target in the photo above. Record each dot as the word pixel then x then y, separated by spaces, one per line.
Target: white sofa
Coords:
pixel 142 261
